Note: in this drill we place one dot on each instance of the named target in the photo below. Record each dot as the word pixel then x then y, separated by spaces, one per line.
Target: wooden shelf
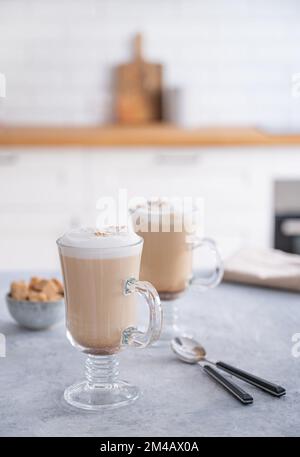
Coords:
pixel 154 135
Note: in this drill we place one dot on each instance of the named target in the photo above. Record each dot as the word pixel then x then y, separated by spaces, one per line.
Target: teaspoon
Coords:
pixel 190 351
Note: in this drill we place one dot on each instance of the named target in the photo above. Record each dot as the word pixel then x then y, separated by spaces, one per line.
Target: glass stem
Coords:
pixel 170 312
pixel 101 370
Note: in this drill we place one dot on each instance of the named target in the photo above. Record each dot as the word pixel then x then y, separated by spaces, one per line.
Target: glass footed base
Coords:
pixel 94 398
pixel 102 387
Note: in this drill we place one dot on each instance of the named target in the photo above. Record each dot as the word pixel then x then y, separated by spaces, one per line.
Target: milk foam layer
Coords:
pixel 91 243
pixel 162 206
pixel 167 212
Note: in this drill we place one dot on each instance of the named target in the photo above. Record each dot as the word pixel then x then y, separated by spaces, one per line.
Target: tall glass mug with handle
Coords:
pixel 171 237
pixel 101 279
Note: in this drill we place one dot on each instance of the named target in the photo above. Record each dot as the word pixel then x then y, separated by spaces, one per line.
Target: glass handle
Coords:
pixel 215 278
pixel 132 336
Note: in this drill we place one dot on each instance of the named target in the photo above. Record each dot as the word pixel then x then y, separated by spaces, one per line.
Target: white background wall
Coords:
pixel 234 57
pixel 235 60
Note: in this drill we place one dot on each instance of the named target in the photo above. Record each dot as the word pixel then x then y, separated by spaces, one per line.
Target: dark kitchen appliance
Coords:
pixel 287 216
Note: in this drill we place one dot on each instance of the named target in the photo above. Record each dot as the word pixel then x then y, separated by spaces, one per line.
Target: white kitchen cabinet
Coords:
pixel 41 195
pixel 45 192
pixel 44 180
pixel 27 239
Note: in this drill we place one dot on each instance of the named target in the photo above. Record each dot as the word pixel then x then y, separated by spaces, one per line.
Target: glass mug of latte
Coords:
pixel 170 234
pixel 100 272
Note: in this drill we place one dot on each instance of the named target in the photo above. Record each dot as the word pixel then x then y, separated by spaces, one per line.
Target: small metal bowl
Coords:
pixel 35 315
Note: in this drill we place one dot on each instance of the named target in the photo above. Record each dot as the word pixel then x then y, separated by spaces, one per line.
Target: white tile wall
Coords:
pixel 234 58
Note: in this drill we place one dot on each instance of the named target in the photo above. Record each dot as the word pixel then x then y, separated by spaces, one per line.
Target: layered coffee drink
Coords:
pixel 166 261
pixel 167 254
pixel 95 265
pixel 172 233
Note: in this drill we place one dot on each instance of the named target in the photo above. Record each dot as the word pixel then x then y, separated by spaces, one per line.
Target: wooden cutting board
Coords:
pixel 139 89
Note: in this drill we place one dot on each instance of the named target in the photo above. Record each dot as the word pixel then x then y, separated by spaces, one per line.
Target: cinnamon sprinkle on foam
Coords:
pixel 98 233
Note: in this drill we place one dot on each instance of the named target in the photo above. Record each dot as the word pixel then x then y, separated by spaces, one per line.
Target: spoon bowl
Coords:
pixel 187 349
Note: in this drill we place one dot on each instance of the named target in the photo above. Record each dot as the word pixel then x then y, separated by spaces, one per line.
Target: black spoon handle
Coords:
pixel 267 386
pixel 233 388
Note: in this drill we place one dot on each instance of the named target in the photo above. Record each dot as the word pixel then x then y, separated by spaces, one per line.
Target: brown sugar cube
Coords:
pixel 37 284
pixel 59 286
pixel 19 290
pixel 50 290
pixel 37 296
pixel 33 282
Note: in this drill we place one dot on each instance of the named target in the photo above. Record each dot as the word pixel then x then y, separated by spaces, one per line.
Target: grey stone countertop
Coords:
pixel 245 326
